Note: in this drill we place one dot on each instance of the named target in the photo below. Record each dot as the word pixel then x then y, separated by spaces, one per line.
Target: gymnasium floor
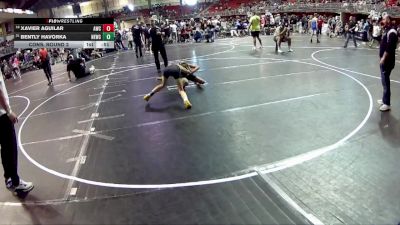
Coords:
pixel 292 138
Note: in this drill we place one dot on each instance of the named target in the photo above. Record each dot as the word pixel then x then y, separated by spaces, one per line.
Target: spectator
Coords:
pixel 387 54
pixel 351 32
pixel 138 39
pixel 15 67
pixel 174 32
pixel 376 33
pixel 130 38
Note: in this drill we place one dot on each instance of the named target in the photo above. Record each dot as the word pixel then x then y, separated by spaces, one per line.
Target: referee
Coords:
pixel 8 144
pixel 387 53
pixel 157 45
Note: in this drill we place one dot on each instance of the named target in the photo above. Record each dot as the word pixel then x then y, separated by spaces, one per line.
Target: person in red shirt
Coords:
pixel 320 22
pixel 45 61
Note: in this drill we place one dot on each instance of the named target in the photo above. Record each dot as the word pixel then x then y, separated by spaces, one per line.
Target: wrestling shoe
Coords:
pixel 187 104
pixel 147 97
pixel 199 85
pixel 384 108
pixel 23 187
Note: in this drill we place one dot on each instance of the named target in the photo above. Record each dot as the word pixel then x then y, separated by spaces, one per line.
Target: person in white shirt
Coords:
pixel 277 19
pixel 8 144
pixel 174 32
pixel 130 38
pixel 62 52
pixel 233 29
pixel 282 34
pixel 376 33
pixel 271 20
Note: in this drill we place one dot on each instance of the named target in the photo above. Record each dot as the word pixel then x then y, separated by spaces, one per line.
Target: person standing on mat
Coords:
pixel 182 72
pixel 147 41
pixel 351 32
pixel 157 45
pixel 8 144
pixel 129 34
pixel 376 33
pixel 320 23
pixel 174 32
pixel 255 29
pixel 314 25
pixel 45 61
pixel 138 39
pixel 118 40
pixel 387 54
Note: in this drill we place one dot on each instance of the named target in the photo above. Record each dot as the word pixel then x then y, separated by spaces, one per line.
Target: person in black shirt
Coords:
pixel 167 33
pixel 210 32
pixel 203 25
pixel 304 24
pixel 78 67
pixel 146 34
pixel 387 53
pixel 137 39
pixel 118 40
pixel 351 32
pixel 158 46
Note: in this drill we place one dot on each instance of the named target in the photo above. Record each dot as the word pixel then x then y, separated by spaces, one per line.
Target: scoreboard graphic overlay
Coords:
pixel 64 33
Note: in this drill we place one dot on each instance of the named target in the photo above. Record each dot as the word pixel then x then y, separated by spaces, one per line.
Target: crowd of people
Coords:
pixel 241 7
pixel 6 43
pixel 169 11
pixel 6 47
pixel 153 37
pixel 162 10
pixel 208 29
pixel 233 7
pixel 204 30
pixel 30 59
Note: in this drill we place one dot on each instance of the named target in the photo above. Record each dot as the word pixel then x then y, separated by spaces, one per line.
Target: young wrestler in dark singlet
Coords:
pixel 182 72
